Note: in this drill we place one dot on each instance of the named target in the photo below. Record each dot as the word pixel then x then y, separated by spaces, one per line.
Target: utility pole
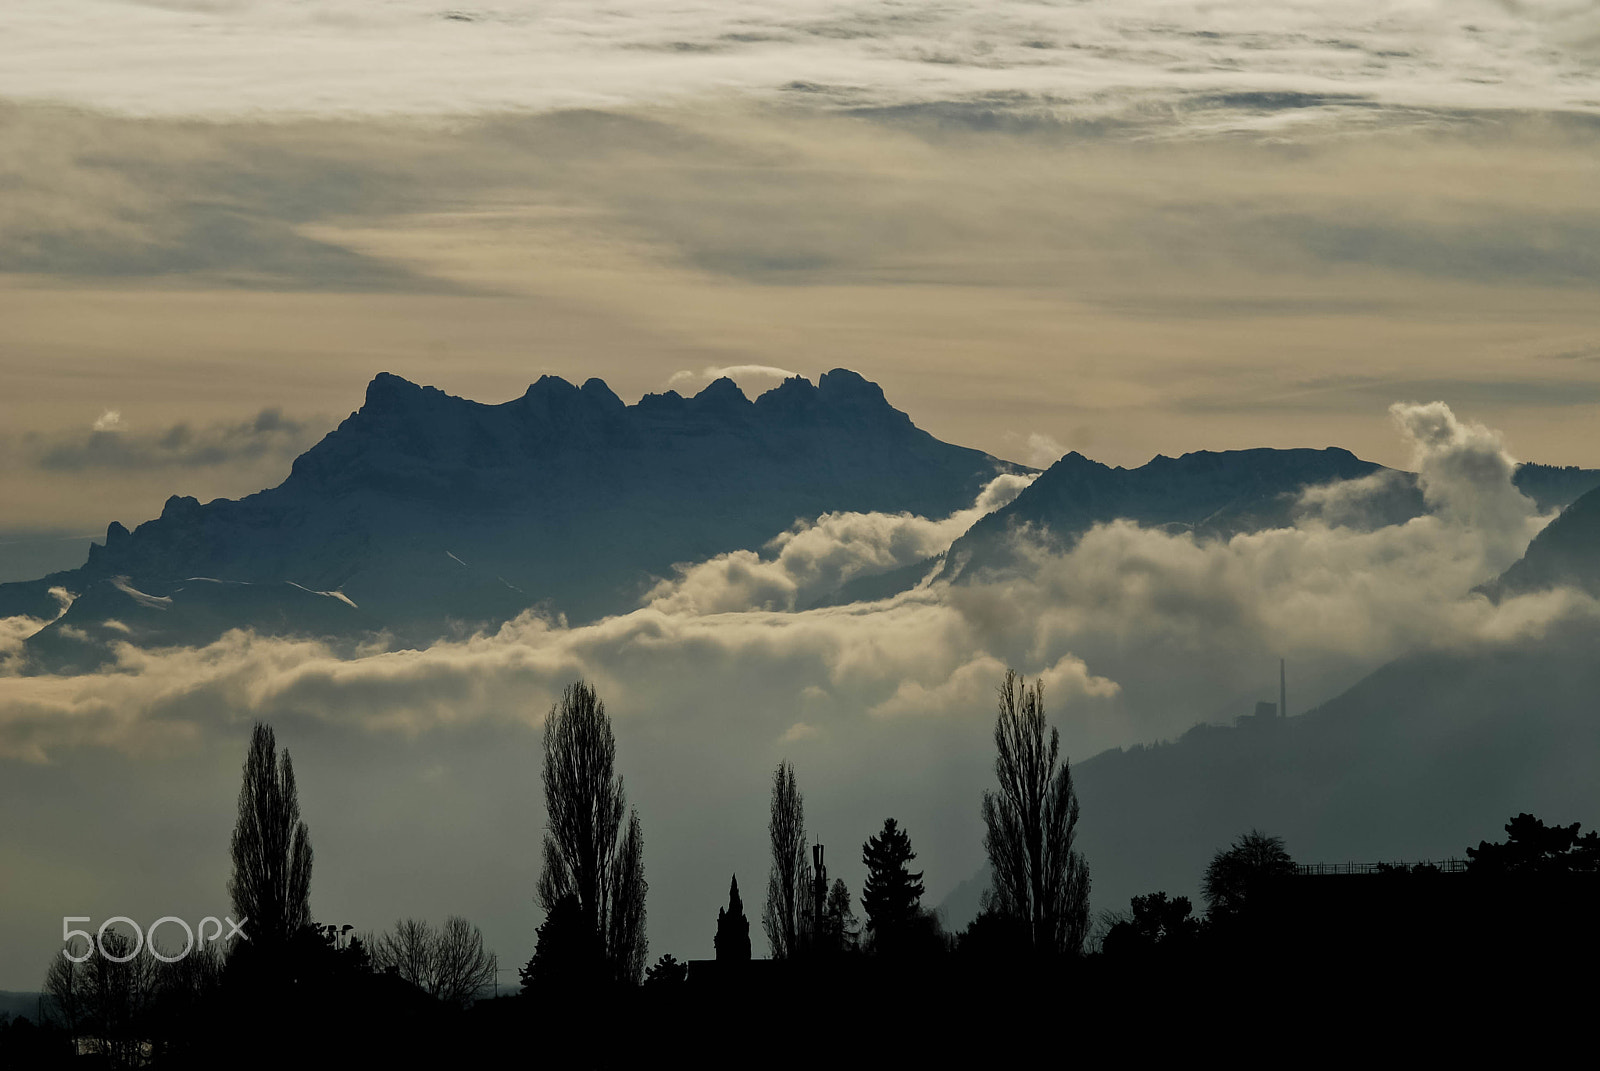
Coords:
pixel 1283 690
pixel 819 894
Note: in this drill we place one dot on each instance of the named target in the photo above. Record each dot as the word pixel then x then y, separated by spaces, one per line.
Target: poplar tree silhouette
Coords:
pixel 449 964
pixel 892 895
pixel 588 855
pixel 789 883
pixel 271 883
pixel 1041 882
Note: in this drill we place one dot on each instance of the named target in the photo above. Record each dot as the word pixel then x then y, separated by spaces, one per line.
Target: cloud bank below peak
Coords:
pixel 815 558
pixel 1336 600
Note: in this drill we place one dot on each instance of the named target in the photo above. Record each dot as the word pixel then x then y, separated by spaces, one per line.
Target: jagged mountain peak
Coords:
pixel 837 393
pixel 845 384
pixel 425 508
pixel 796 395
pixel 401 420
pixel 721 395
pixel 1261 455
pixel 1215 492
pixel 548 386
pixel 554 389
pixel 408 432
pixel 388 392
pixel 180 506
pixel 595 388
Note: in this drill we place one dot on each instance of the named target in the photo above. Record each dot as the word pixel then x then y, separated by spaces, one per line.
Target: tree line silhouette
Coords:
pixel 419 993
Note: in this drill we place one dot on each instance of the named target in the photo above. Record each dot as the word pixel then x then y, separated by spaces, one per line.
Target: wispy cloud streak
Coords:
pixel 1203 65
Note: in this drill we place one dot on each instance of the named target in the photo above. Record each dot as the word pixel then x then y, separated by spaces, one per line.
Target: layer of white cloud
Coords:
pixel 817 557
pixel 732 371
pixel 1466 473
pixel 1093 620
pixel 1092 59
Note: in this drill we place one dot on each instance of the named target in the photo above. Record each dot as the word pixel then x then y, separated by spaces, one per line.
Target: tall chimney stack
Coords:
pixel 1283 691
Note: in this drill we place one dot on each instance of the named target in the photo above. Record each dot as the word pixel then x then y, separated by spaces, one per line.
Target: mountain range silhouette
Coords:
pixel 424 514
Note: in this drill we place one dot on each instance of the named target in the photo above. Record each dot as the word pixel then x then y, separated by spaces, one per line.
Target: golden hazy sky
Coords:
pixel 1025 287
pixel 1119 227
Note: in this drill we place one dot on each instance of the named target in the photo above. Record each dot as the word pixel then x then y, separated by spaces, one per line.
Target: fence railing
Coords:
pixel 1444 866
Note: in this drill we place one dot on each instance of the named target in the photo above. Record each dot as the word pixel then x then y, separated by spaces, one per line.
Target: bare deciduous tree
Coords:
pixel 407 950
pixel 271 884
pixel 789 883
pixel 587 852
pixel 1030 824
pixel 103 1004
pixel 67 989
pixel 450 964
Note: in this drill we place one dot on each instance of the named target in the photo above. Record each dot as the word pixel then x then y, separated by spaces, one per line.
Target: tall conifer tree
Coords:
pixel 892 895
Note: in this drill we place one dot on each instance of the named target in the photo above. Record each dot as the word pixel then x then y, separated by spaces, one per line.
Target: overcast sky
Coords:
pixel 1126 228
pixel 407 57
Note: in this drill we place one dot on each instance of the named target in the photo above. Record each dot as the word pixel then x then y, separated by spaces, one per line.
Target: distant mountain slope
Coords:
pixel 1217 493
pixel 189 612
pixel 424 509
pixel 1565 552
pixel 1204 492
pixel 1554 486
pixel 1421 758
pixel 21 1004
pixel 1425 756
